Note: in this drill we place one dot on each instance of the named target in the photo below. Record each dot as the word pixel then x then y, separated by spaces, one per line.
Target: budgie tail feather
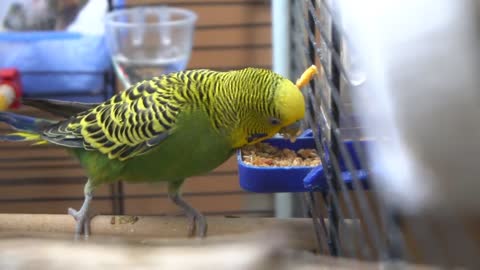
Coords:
pixel 28 127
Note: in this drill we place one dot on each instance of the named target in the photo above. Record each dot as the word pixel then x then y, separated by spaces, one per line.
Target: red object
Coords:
pixel 11 76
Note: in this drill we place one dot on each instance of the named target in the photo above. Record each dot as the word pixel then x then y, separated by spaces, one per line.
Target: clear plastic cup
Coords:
pixel 148 41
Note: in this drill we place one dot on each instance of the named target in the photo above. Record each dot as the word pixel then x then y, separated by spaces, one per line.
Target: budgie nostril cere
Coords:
pixel 165 129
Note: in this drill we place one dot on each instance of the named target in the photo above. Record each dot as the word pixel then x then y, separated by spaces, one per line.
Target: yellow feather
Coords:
pixel 30 137
pixel 40 143
pixel 27 136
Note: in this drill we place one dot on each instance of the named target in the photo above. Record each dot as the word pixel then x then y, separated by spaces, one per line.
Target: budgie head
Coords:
pixel 268 104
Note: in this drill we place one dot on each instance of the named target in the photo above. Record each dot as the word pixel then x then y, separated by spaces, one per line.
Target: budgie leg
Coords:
pixel 196 221
pixel 82 216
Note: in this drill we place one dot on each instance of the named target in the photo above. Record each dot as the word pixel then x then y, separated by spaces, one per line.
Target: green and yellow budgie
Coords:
pixel 166 129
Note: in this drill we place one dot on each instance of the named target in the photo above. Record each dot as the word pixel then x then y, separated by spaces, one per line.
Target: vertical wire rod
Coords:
pixel 335 20
pixel 336 80
pixel 323 157
pixel 330 45
pixel 333 233
pixel 335 92
pixel 121 199
pixel 324 160
pixel 364 206
pixel 319 225
pixel 330 184
pixel 113 195
pixel 357 147
pixel 318 221
pixel 345 194
pixel 396 244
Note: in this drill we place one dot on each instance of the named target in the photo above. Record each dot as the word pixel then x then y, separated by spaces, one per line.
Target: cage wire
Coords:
pixel 351 220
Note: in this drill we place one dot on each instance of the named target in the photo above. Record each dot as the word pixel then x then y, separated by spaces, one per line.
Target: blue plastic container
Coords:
pixel 57 63
pixel 275 179
pixel 316 179
pixel 294 179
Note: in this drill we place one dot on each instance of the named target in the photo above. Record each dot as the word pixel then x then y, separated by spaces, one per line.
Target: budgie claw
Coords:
pixel 197 222
pixel 82 217
pixel 83 222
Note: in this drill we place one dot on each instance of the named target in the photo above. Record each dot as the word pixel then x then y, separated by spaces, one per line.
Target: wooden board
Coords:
pixel 229 34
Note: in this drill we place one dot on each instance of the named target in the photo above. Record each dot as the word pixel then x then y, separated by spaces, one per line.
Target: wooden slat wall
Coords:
pixel 44 179
pixel 229 34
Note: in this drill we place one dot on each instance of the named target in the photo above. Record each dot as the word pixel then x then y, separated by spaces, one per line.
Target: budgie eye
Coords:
pixel 274 121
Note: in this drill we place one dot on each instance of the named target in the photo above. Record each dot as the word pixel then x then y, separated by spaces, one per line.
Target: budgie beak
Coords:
pixel 291 132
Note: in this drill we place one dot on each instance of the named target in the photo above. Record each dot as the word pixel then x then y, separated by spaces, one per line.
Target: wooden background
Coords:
pixel 44 179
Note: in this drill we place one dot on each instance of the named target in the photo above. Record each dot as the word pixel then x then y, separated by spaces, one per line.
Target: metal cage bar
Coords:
pixel 325 44
pixel 380 232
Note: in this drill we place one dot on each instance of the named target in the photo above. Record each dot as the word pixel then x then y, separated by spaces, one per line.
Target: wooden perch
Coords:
pixel 131 242
pixel 150 229
pixel 265 251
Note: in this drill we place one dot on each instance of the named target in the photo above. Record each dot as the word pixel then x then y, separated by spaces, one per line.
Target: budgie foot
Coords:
pixel 196 221
pixel 82 218
pixel 82 225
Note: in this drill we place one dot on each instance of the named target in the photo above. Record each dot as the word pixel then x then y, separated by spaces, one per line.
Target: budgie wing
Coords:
pixel 127 125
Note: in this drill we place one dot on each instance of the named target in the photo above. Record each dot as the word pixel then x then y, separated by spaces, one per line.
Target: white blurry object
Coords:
pixel 90 20
pixel 7 96
pixel 423 94
pixel 4 10
pixel 37 11
pixel 21 14
pixel 84 16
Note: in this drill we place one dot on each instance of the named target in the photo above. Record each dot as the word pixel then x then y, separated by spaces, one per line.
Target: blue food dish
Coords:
pixel 295 178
